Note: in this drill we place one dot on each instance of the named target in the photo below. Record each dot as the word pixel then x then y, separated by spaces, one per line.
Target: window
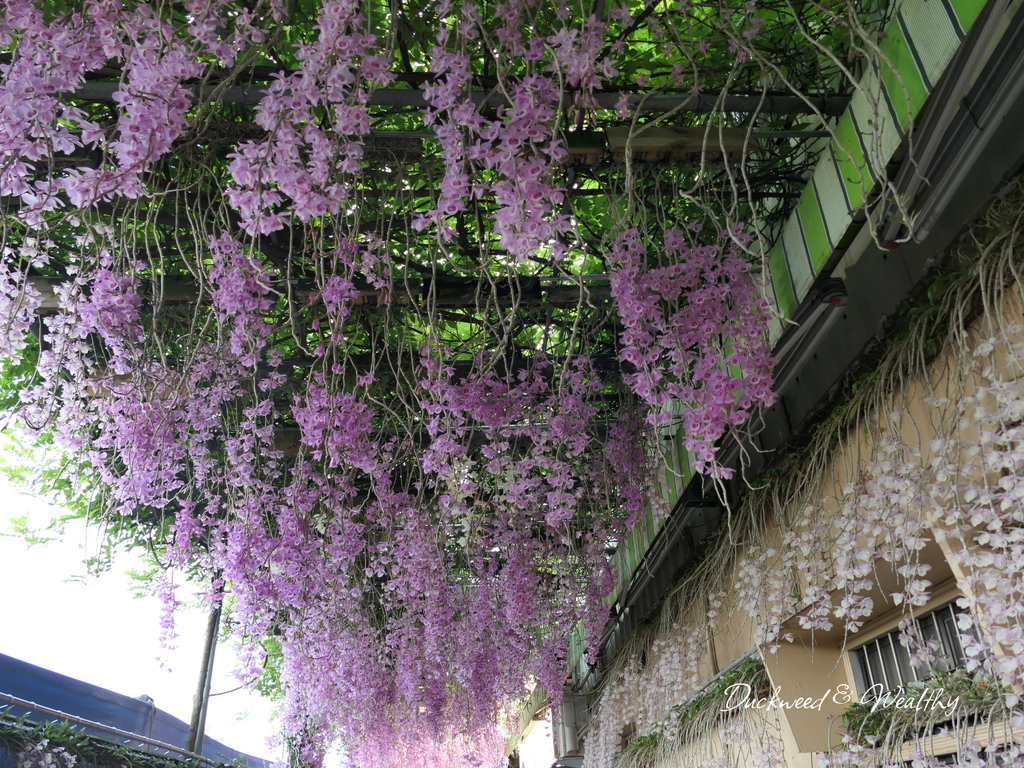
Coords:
pixel 629 732
pixel 886 661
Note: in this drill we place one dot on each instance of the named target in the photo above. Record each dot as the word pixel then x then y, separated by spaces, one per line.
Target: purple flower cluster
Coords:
pixel 694 332
pixel 419 528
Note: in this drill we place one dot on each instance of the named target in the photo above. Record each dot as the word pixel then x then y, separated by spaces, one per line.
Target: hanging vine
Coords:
pixel 341 305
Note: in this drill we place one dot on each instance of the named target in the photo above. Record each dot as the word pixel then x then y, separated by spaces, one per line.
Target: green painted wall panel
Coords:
pixel 784 293
pixel 901 76
pixel 799 259
pixel 935 34
pixel 831 193
pixel 967 11
pixel 850 158
pixel 813 228
pixel 670 457
pixel 880 134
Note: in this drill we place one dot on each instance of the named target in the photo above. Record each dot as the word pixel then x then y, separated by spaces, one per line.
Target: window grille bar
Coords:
pixel 865 664
pixel 896 662
pixel 959 657
pixel 881 665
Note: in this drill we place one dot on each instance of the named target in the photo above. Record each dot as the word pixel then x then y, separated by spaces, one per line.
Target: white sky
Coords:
pixel 537 749
pixel 95 630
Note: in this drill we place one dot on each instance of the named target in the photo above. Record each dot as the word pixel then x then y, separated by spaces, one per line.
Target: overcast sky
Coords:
pixel 93 629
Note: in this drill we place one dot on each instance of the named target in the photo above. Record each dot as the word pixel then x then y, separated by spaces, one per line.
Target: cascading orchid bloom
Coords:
pixel 402 452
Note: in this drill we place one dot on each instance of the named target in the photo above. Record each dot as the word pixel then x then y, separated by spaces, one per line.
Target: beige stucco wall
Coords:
pixel 918 403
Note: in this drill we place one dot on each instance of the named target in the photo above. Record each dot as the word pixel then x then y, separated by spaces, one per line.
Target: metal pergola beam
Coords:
pixel 103 90
pixel 525 291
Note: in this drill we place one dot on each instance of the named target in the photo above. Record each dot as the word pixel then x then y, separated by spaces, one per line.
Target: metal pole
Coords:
pixel 197 727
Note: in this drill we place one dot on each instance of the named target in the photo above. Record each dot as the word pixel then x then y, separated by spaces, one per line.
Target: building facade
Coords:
pixel 853 596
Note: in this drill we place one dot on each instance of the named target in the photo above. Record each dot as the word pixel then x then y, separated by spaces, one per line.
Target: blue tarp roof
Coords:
pixel 90 702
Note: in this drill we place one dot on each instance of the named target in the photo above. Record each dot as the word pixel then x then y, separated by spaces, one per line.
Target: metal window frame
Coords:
pixel 947 630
